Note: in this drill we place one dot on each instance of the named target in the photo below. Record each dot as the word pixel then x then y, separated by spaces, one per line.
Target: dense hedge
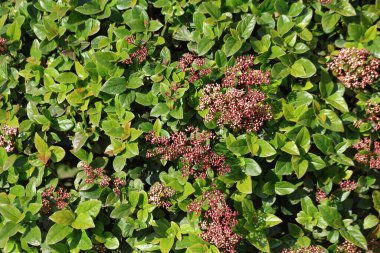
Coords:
pixel 189 126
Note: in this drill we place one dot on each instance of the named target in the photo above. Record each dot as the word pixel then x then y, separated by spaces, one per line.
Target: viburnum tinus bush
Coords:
pixel 189 126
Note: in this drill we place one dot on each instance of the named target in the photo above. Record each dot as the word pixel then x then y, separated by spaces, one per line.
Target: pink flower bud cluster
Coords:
pixel 141 52
pixel 321 195
pixel 233 102
pixel 236 108
pixel 310 249
pixel 324 2
pixel 348 185
pixel 160 194
pixel 51 199
pixel 347 247
pixel 3 45
pixel 372 115
pixel 368 154
pixel 218 222
pixel 355 68
pixel 98 176
pixel 187 63
pixel 193 149
pixel 242 74
pixel 117 183
pixel 7 137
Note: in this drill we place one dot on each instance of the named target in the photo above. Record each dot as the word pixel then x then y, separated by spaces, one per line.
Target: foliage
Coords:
pixel 119 117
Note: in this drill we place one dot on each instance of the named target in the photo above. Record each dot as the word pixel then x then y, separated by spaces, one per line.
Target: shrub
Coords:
pixel 189 126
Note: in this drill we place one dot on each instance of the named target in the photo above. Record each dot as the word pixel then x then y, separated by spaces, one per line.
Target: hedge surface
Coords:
pixel 189 126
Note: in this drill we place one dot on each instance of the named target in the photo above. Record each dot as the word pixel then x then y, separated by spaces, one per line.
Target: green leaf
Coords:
pixel 303 68
pixel 79 140
pixel 246 26
pixel 355 31
pixel 272 220
pixel 370 221
pixel 32 235
pixel 91 207
pixel 284 24
pixel 353 234
pixel 251 167
pixel 85 242
pixel 232 45
pixel 329 21
pixel 284 188
pixel 308 207
pixel 115 85
pixel 210 8
pixel 290 147
pixel 166 244
pixel 370 34
pixel 204 45
pixel 177 112
pixel 323 143
pixel 57 153
pixel 160 109
pixel 135 82
pixel 239 147
pixel 57 233
pixel 89 9
pixel 332 216
pixel 343 7
pixel 303 138
pixel 63 217
pixel 265 149
pixel 83 221
pixel 112 243
pixel 135 18
pixel 132 149
pixel 41 145
pixel 9 229
pixel 300 166
pixel 329 120
pixel 10 212
pixel 67 77
pixel 121 211
pixel 245 185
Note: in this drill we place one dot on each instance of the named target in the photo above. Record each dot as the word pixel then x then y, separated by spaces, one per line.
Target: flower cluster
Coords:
pixel 195 66
pixel 241 74
pixel 159 195
pixel 235 107
pixel 310 249
pixel 355 68
pixel 7 137
pixel 367 154
pixel 194 151
pixel 348 185
pixel 324 2
pixel 98 176
pixel 347 247
pixel 50 199
pixel 141 52
pixel 233 102
pixel 320 196
pixel 117 183
pixel 372 115
pixel 3 46
pixel 218 221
